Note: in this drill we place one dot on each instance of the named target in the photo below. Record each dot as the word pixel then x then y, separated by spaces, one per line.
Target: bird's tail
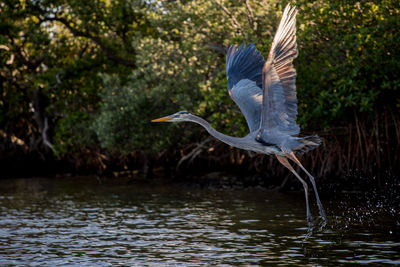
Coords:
pixel 308 143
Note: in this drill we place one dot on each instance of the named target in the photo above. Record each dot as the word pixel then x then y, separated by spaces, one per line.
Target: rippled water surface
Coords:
pixel 79 221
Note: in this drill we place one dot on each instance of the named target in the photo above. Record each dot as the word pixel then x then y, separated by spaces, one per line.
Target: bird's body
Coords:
pixel 265 92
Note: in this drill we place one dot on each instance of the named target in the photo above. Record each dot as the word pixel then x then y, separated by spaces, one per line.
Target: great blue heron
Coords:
pixel 265 92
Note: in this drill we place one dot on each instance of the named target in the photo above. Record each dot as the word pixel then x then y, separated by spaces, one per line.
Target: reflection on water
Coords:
pixel 79 221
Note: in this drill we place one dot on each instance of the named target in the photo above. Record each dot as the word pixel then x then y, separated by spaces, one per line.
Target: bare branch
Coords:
pixel 219 48
pixel 110 55
pixel 250 14
pixel 45 137
pixel 234 22
pixel 194 153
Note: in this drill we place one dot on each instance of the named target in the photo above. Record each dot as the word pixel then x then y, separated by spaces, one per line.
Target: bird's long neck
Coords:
pixel 230 140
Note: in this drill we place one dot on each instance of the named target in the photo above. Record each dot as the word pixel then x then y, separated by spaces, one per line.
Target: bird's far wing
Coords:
pixel 244 70
pixel 279 108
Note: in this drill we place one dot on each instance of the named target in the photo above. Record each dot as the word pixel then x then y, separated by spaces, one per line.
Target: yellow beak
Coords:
pixel 162 119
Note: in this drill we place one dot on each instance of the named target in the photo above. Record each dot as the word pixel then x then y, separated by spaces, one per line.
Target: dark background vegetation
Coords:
pixel 80 82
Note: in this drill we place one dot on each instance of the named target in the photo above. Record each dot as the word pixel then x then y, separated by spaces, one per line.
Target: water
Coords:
pixel 79 221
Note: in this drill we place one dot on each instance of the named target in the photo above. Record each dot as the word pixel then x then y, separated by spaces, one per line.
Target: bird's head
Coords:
pixel 179 116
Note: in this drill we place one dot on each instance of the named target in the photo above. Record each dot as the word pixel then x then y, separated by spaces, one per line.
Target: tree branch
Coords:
pixel 250 14
pixel 218 48
pixel 234 22
pixel 194 153
pixel 110 55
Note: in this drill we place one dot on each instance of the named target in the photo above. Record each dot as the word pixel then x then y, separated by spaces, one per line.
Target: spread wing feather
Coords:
pixel 279 108
pixel 244 67
pixel 244 62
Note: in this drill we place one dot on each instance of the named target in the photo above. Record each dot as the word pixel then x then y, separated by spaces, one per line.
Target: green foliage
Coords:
pixel 179 68
pixel 124 121
pixel 73 133
pixel 58 50
pixel 106 68
pixel 349 54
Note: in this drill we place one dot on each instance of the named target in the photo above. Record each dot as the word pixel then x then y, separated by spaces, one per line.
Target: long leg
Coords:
pixel 321 209
pixel 285 163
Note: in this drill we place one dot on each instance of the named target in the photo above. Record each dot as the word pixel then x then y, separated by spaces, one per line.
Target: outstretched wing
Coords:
pixel 279 108
pixel 244 67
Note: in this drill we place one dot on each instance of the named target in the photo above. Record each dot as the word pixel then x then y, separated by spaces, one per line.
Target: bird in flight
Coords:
pixel 265 92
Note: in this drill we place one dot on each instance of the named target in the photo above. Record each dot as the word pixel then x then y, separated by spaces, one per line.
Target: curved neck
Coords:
pixel 230 140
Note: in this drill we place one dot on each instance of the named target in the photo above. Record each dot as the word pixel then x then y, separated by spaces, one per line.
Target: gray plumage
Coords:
pixel 244 63
pixel 274 117
pixel 265 92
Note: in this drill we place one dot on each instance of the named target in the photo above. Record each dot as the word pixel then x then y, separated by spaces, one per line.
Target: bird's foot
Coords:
pixel 320 223
pixel 324 222
pixel 309 232
pixel 310 220
pixel 321 211
pixel 310 228
pixel 323 216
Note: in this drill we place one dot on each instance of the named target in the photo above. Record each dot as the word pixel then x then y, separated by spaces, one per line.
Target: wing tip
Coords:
pixel 244 61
